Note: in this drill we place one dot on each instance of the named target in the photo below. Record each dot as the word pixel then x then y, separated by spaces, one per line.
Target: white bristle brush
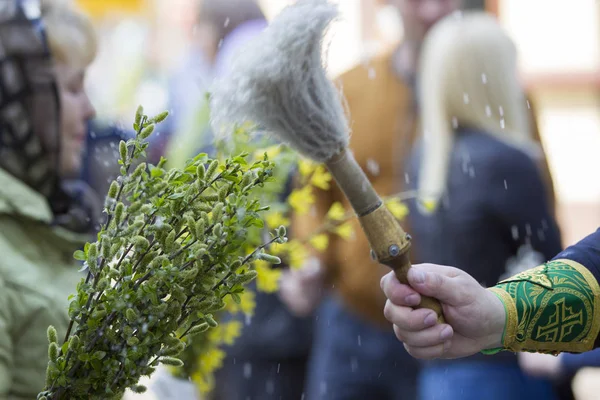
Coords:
pixel 279 83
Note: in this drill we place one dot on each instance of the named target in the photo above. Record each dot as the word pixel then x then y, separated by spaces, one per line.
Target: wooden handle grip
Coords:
pixel 389 243
pixel 390 246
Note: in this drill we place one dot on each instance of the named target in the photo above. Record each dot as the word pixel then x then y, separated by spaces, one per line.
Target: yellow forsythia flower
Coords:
pixel 320 242
pixel 397 208
pixel 278 249
pixel 306 167
pixel 214 335
pixel 267 279
pixel 336 212
pixel 297 254
pixel 272 152
pixel 345 231
pixel 430 205
pixel 246 306
pixel 301 199
pixel 321 178
pixel 204 382
pixel 248 303
pixel 276 219
pixel 231 331
pixel 212 359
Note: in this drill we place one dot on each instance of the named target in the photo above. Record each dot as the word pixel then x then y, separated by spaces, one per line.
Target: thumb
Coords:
pixel 437 281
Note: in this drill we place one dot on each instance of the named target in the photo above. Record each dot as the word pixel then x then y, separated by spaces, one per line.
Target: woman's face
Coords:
pixel 76 110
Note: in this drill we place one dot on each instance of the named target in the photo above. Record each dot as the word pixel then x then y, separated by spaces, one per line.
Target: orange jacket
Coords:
pixel 384 123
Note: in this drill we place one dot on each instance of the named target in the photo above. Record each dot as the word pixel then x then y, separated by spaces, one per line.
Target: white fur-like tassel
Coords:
pixel 278 82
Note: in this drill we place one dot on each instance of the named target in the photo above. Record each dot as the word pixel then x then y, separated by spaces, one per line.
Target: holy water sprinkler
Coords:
pixel 279 83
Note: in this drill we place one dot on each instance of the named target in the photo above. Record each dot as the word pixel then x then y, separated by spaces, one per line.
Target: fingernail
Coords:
pixel 412 299
pixel 446 333
pixel 419 277
pixel 430 319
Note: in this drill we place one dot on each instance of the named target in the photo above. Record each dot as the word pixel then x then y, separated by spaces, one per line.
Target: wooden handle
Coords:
pixel 390 246
pixel 389 243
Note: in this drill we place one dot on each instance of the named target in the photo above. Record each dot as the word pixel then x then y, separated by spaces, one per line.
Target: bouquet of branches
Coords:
pixel 166 259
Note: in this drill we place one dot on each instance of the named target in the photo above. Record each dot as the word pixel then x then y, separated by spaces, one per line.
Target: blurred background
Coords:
pixel 144 42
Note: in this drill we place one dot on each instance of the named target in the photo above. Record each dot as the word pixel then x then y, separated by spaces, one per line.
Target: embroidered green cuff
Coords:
pixel 550 309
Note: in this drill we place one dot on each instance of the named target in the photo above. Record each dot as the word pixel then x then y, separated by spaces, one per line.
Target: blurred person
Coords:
pixel 481 196
pixel 44 111
pixel 354 354
pixel 222 28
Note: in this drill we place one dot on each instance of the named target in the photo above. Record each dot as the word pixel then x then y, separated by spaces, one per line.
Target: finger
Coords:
pixel 433 336
pixel 398 293
pixel 408 319
pixel 436 281
pixel 430 352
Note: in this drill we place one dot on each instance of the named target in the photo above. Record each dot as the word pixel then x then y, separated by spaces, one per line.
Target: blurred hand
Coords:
pixel 475 317
pixel 301 290
pixel 540 365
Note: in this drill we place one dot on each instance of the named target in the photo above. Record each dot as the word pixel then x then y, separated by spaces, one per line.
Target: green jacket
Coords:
pixel 37 275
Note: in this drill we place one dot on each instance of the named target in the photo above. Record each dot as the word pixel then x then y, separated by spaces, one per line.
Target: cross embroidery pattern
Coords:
pixel 561 323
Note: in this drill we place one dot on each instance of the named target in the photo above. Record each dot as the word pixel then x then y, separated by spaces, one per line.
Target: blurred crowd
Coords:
pixel 440 110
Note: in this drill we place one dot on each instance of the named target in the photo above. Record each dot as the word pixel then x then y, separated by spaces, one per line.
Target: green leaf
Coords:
pixel 156 172
pixel 240 160
pixel 236 297
pixel 176 196
pixel 99 355
pixel 96 365
pixel 79 255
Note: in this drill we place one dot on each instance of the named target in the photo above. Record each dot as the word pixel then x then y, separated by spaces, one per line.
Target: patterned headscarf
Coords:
pixel 30 111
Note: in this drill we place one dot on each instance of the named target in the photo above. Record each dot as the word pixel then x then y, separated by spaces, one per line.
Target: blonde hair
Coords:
pixel 468 78
pixel 71 35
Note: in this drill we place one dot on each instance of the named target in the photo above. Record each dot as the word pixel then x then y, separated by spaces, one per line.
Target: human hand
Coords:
pixel 302 290
pixel 475 317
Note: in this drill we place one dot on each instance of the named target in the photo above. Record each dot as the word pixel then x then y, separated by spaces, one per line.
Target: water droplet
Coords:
pixel 372 73
pixel 220 43
pixel 278 367
pixel 406 178
pixel 472 172
pixel 502 124
pixel 528 105
pixel 454 122
pixel 484 78
pixel 501 111
pixel 466 98
pixel 528 229
pixel 515 232
pixel 247 370
pixel 373 167
pixel 488 111
pixel 93 134
pixel 226 24
pixel 505 185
